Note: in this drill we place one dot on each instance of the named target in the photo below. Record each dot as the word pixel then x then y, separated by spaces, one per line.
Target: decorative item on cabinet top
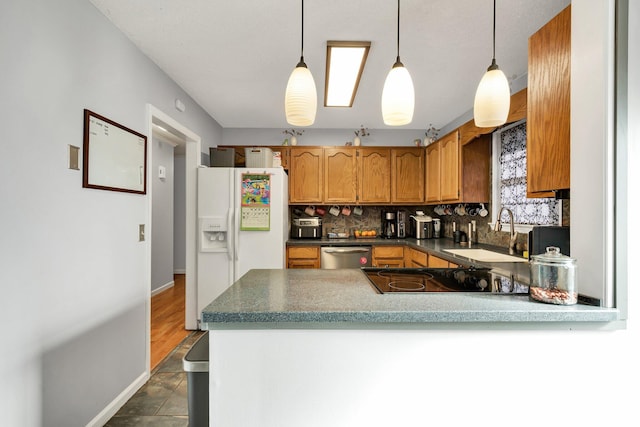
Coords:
pixel 362 132
pixel 431 135
pixel 294 134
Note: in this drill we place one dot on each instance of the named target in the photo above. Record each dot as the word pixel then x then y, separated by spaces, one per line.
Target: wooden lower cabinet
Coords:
pixel 387 256
pixel 415 258
pixel 303 257
pixel 437 262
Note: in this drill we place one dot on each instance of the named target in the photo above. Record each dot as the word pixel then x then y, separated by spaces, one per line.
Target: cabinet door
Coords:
pixel 417 259
pixel 374 175
pixel 436 262
pixel 432 186
pixel 340 174
pixel 305 175
pixel 450 167
pixel 407 175
pixel 548 106
pixel 388 256
pixel 303 257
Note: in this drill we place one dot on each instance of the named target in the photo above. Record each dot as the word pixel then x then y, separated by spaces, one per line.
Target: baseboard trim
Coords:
pixel 162 288
pixel 180 271
pixel 112 408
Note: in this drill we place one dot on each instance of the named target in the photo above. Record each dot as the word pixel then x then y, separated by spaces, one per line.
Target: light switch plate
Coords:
pixel 141 233
pixel 74 154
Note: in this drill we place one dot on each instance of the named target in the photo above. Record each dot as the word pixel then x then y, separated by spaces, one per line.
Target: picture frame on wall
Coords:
pixel 114 156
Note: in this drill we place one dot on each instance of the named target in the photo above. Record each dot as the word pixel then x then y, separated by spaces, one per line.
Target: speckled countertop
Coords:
pixel 329 299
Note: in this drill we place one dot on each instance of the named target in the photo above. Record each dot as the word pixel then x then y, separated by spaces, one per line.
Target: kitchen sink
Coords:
pixel 483 255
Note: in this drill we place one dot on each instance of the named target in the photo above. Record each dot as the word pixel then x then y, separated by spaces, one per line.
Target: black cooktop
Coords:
pixel 419 280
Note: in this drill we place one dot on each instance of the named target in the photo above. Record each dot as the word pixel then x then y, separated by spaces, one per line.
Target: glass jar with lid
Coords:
pixel 553 278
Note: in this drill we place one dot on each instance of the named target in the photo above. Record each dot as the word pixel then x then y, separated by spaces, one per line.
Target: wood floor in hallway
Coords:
pixel 167 320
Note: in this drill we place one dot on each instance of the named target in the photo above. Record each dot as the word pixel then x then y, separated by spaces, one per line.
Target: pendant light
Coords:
pixel 493 98
pixel 398 97
pixel 300 99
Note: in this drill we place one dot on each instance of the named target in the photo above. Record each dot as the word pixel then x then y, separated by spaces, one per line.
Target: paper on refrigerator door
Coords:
pixel 255 203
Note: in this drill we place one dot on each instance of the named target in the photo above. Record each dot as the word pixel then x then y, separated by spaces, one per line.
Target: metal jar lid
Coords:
pixel 553 257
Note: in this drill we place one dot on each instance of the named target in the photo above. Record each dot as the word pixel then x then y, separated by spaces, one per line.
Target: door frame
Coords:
pixel 192 162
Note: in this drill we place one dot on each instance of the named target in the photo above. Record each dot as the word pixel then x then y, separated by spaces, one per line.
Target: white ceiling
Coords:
pixel 234 57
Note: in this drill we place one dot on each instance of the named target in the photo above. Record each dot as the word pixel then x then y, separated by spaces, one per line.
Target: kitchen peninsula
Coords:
pixel 322 347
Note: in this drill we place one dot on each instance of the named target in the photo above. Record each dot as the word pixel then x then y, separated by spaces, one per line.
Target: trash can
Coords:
pixel 196 365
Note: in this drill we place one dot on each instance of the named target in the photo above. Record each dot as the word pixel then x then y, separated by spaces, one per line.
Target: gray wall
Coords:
pixel 179 215
pixel 162 215
pixel 74 305
pixel 377 137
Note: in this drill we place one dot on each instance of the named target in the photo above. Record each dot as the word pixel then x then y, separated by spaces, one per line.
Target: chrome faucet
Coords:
pixel 513 235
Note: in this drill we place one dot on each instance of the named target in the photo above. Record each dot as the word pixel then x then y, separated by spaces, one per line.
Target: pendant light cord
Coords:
pixel 493 65
pixel 398 63
pixel 494 30
pixel 301 63
pixel 398 39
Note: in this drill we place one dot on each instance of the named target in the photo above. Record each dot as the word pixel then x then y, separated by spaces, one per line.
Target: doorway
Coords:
pixel 168 134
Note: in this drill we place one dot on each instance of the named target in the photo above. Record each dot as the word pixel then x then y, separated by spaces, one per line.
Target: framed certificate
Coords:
pixel 114 157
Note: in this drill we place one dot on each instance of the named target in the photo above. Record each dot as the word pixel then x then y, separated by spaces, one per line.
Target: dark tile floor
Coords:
pixel 162 401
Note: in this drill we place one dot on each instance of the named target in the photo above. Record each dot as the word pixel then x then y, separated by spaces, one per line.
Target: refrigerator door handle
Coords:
pixel 236 242
pixel 230 234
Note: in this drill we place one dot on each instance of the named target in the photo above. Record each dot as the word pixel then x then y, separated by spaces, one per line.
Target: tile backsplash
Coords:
pixel 371 219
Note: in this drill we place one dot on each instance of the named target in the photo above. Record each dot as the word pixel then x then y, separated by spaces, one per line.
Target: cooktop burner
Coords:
pixel 417 280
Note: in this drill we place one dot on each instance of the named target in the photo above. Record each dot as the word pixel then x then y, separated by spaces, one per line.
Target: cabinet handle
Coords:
pixel 345 251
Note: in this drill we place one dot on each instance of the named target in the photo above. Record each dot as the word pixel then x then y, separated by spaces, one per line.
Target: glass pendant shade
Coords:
pixel 493 99
pixel 300 100
pixel 398 97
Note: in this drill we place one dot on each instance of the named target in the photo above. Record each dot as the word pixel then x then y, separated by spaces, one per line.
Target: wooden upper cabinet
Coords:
pixel 450 167
pixel 517 111
pixel 407 175
pixel 548 105
pixel 443 169
pixel 374 175
pixel 459 172
pixel 340 175
pixel 284 154
pixel 306 175
pixel 432 186
pixel 475 170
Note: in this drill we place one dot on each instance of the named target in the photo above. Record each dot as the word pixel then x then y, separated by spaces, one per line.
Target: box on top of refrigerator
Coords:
pixel 221 157
pixel 258 157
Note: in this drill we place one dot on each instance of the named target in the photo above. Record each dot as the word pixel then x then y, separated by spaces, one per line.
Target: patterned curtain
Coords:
pixel 513 182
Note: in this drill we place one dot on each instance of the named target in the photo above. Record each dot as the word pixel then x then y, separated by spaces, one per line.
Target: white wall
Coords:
pixel 76 279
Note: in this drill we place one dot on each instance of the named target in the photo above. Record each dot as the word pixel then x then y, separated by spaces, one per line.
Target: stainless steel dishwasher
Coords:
pixel 332 257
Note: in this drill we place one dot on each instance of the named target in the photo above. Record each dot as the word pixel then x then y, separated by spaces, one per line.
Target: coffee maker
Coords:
pixel 401 221
pixel 388 223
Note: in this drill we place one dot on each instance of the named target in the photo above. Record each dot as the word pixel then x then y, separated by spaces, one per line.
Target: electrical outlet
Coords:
pixel 141 233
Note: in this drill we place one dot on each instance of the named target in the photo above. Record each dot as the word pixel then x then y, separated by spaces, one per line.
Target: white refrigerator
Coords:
pixel 243 224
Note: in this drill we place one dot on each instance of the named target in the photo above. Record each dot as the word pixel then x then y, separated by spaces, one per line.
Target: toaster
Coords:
pixel 306 228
